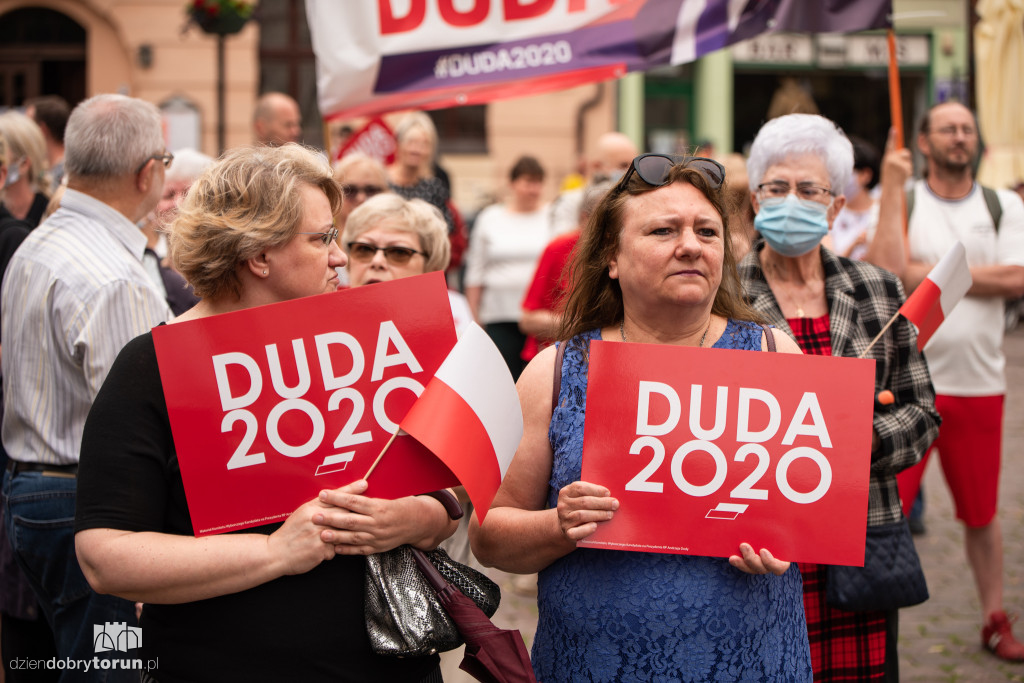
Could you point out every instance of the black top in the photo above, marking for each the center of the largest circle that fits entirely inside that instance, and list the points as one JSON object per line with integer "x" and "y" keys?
{"x": 431, "y": 190}
{"x": 308, "y": 627}
{"x": 12, "y": 233}
{"x": 35, "y": 212}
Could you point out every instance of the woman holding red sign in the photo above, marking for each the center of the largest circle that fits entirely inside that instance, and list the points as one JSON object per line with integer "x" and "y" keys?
{"x": 654, "y": 265}
{"x": 278, "y": 602}
{"x": 798, "y": 166}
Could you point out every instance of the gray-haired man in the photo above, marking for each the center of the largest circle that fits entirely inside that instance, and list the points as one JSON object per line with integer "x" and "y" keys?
{"x": 74, "y": 293}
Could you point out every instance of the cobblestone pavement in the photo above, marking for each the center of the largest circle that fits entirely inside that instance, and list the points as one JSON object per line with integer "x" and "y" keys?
{"x": 940, "y": 639}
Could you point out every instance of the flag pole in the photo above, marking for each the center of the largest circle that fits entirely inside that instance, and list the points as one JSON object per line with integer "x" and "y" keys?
{"x": 896, "y": 116}
{"x": 877, "y": 336}
{"x": 382, "y": 452}
{"x": 895, "y": 98}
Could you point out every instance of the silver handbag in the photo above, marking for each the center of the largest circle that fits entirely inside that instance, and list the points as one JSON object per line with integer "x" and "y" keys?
{"x": 404, "y": 616}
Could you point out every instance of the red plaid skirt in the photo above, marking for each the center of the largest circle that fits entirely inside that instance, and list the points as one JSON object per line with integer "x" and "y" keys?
{"x": 845, "y": 646}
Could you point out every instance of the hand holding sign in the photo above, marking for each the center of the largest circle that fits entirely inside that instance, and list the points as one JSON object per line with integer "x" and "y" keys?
{"x": 727, "y": 449}
{"x": 581, "y": 506}
{"x": 269, "y": 405}
{"x": 761, "y": 562}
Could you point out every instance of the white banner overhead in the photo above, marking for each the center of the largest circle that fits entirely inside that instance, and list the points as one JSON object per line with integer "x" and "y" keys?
{"x": 374, "y": 57}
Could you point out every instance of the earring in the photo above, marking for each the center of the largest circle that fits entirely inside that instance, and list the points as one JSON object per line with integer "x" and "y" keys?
{"x": 264, "y": 271}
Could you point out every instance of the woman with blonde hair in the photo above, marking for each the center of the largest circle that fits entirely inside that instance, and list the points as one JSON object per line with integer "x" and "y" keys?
{"x": 411, "y": 175}
{"x": 388, "y": 238}
{"x": 273, "y": 603}
{"x": 26, "y": 633}
{"x": 12, "y": 230}
{"x": 27, "y": 188}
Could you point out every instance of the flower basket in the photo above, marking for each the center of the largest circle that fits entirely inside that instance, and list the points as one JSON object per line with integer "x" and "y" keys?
{"x": 219, "y": 17}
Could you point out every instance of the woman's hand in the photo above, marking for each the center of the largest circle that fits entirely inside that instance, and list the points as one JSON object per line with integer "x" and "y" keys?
{"x": 298, "y": 544}
{"x": 581, "y": 506}
{"x": 359, "y": 525}
{"x": 754, "y": 563}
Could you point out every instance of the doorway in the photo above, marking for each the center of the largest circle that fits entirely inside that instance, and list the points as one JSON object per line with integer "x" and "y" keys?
{"x": 42, "y": 52}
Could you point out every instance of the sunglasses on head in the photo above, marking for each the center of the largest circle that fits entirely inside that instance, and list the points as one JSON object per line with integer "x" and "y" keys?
{"x": 361, "y": 251}
{"x": 350, "y": 191}
{"x": 654, "y": 169}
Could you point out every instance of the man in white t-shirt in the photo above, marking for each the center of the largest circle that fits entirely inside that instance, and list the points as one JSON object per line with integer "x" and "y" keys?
{"x": 965, "y": 355}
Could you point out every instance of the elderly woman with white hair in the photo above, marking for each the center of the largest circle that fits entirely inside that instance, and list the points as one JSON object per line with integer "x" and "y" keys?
{"x": 388, "y": 238}
{"x": 27, "y": 188}
{"x": 798, "y": 167}
{"x": 188, "y": 165}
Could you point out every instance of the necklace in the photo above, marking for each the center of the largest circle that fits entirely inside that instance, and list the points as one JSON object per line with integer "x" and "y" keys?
{"x": 622, "y": 331}
{"x": 798, "y": 304}
{"x": 787, "y": 292}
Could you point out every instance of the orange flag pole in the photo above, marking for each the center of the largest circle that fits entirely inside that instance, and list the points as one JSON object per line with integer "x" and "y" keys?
{"x": 896, "y": 114}
{"x": 895, "y": 99}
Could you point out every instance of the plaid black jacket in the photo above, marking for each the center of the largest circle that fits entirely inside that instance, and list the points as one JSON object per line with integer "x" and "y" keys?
{"x": 861, "y": 300}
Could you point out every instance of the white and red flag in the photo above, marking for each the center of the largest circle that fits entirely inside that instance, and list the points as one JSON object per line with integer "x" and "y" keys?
{"x": 469, "y": 416}
{"x": 938, "y": 293}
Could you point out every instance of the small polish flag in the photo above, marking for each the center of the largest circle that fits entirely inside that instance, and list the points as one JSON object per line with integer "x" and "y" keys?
{"x": 469, "y": 416}
{"x": 938, "y": 293}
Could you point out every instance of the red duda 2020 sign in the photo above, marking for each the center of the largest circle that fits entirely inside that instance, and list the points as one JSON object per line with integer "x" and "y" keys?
{"x": 709, "y": 448}
{"x": 270, "y": 405}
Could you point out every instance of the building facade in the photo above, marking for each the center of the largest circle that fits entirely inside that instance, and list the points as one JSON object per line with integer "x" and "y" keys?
{"x": 146, "y": 48}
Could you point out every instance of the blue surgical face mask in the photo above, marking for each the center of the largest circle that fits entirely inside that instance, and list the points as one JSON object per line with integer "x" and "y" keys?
{"x": 792, "y": 226}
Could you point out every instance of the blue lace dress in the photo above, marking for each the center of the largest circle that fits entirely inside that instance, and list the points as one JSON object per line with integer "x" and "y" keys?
{"x": 608, "y": 615}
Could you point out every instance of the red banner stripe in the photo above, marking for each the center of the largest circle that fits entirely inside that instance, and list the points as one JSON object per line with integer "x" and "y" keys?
{"x": 460, "y": 96}
{"x": 459, "y": 440}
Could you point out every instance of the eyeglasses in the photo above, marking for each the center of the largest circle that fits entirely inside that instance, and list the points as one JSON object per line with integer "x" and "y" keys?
{"x": 950, "y": 131}
{"x": 778, "y": 190}
{"x": 654, "y": 169}
{"x": 325, "y": 237}
{"x": 166, "y": 157}
{"x": 361, "y": 251}
{"x": 350, "y": 191}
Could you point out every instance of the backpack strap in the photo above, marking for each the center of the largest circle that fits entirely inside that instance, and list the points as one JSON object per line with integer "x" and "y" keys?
{"x": 556, "y": 385}
{"x": 995, "y": 208}
{"x": 769, "y": 337}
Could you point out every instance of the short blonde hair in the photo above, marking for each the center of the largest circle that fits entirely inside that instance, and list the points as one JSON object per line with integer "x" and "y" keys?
{"x": 408, "y": 215}
{"x": 25, "y": 141}
{"x": 417, "y": 120}
{"x": 245, "y": 203}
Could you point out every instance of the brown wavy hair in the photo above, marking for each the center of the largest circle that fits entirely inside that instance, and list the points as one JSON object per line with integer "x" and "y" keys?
{"x": 594, "y": 299}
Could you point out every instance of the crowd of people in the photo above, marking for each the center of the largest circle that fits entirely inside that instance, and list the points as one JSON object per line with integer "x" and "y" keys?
{"x": 800, "y": 247}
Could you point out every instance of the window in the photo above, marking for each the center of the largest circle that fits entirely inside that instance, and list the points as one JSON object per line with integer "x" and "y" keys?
{"x": 286, "y": 61}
